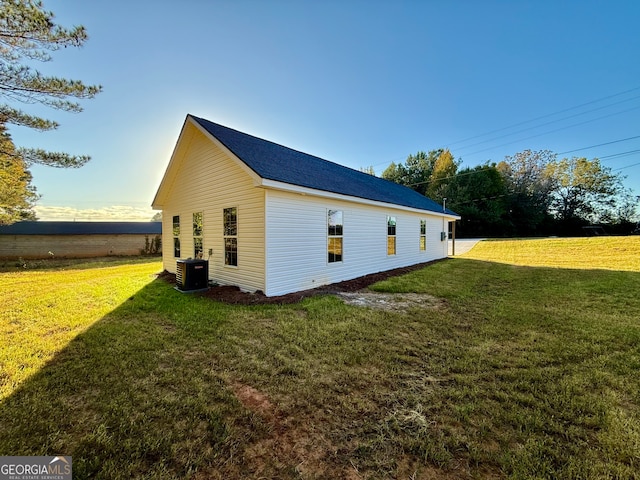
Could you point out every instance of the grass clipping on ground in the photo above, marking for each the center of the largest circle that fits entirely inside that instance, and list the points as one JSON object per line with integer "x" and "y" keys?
{"x": 513, "y": 369}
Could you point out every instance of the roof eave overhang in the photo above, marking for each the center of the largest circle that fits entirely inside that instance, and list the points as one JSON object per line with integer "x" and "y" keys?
{"x": 306, "y": 191}
{"x": 258, "y": 181}
{"x": 176, "y": 158}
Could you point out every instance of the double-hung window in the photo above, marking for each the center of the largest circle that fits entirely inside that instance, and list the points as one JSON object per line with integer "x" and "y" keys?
{"x": 391, "y": 235}
{"x": 334, "y": 235}
{"x": 423, "y": 235}
{"x": 176, "y": 236}
{"x": 230, "y": 233}
{"x": 198, "y": 248}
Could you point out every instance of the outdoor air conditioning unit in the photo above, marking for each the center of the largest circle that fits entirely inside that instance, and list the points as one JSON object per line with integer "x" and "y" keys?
{"x": 192, "y": 275}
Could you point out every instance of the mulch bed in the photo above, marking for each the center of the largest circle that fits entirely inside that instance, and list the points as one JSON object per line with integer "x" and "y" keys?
{"x": 233, "y": 295}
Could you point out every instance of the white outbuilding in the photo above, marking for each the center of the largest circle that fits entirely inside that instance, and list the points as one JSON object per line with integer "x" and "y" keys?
{"x": 274, "y": 219}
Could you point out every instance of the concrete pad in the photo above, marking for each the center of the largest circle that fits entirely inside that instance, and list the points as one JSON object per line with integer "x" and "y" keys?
{"x": 463, "y": 245}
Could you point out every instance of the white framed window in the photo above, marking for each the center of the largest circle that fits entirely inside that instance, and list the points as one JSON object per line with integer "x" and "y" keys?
{"x": 334, "y": 235}
{"x": 176, "y": 236}
{"x": 230, "y": 235}
{"x": 198, "y": 246}
{"x": 423, "y": 235}
{"x": 391, "y": 235}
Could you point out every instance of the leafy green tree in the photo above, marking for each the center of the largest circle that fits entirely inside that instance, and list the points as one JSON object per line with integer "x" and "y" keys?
{"x": 17, "y": 195}
{"x": 582, "y": 189}
{"x": 394, "y": 173}
{"x": 622, "y": 215}
{"x": 415, "y": 172}
{"x": 529, "y": 188}
{"x": 28, "y": 33}
{"x": 479, "y": 195}
{"x": 443, "y": 171}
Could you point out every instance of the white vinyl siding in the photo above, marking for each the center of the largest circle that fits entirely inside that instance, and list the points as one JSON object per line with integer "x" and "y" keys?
{"x": 296, "y": 241}
{"x": 208, "y": 180}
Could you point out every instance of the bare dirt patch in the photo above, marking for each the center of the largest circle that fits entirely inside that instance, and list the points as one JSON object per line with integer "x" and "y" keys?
{"x": 291, "y": 442}
{"x": 391, "y": 301}
{"x": 253, "y": 400}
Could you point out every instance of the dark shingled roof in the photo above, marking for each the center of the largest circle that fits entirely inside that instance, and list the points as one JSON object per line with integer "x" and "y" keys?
{"x": 82, "y": 228}
{"x": 276, "y": 162}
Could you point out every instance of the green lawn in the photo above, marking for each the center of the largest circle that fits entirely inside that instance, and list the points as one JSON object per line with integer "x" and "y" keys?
{"x": 529, "y": 367}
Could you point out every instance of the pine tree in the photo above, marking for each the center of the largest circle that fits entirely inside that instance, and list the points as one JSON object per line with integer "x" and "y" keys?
{"x": 17, "y": 195}
{"x": 27, "y": 34}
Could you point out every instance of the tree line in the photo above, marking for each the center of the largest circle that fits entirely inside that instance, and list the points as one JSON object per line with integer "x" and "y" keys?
{"x": 531, "y": 193}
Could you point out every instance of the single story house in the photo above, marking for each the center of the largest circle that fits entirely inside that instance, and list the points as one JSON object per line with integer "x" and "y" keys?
{"x": 274, "y": 219}
{"x": 76, "y": 239}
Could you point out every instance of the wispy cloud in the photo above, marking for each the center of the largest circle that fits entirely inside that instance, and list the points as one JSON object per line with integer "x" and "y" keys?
{"x": 115, "y": 213}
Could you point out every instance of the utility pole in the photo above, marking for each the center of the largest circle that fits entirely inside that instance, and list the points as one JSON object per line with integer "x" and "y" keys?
{"x": 446, "y": 230}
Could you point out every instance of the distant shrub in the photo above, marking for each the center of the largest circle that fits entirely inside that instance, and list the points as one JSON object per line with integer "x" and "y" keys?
{"x": 152, "y": 246}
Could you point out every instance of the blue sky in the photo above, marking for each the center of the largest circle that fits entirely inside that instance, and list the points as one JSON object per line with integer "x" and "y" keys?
{"x": 360, "y": 83}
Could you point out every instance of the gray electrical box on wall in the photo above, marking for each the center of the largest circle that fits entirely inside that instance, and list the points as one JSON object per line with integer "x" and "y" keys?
{"x": 443, "y": 236}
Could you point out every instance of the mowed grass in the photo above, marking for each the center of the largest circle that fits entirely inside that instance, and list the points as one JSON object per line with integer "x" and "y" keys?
{"x": 527, "y": 368}
{"x": 611, "y": 253}
{"x": 43, "y": 310}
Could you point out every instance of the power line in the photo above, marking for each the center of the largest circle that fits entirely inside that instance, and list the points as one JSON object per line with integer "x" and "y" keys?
{"x": 622, "y": 154}
{"x": 549, "y": 123}
{"x": 484, "y": 169}
{"x": 484, "y": 198}
{"x": 628, "y": 166}
{"x": 599, "y": 145}
{"x": 547, "y": 115}
{"x": 556, "y": 130}
{"x": 551, "y": 131}
{"x": 471, "y": 172}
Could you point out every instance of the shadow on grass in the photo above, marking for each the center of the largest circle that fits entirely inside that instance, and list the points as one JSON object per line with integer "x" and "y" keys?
{"x": 132, "y": 396}
{"x": 21, "y": 265}
{"x": 529, "y": 372}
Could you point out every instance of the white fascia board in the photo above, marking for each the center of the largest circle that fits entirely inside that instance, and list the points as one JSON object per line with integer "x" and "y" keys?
{"x": 288, "y": 187}
{"x": 257, "y": 179}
